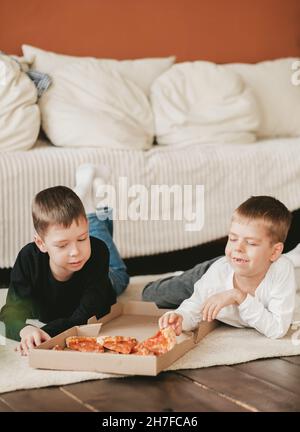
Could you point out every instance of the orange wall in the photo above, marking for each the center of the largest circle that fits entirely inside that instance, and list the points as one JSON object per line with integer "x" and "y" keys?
{"x": 216, "y": 30}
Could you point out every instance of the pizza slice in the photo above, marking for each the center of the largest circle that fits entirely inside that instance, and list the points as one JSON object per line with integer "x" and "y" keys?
{"x": 140, "y": 349}
{"x": 162, "y": 342}
{"x": 84, "y": 344}
{"x": 119, "y": 344}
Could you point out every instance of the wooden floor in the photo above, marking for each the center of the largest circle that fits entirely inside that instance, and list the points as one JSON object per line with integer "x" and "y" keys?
{"x": 263, "y": 385}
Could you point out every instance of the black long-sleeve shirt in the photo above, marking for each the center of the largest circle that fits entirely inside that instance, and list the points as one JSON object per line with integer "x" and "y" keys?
{"x": 34, "y": 293}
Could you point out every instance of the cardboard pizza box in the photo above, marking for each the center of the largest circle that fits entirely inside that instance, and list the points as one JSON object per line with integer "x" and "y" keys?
{"x": 136, "y": 319}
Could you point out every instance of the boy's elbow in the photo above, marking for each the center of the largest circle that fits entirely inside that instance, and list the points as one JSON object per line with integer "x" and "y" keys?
{"x": 277, "y": 333}
{"x": 10, "y": 333}
{"x": 11, "y": 329}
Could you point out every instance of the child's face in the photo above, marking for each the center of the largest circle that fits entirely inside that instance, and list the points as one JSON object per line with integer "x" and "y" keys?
{"x": 68, "y": 248}
{"x": 249, "y": 249}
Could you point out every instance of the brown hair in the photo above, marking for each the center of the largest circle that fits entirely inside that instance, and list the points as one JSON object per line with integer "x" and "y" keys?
{"x": 57, "y": 205}
{"x": 277, "y": 217}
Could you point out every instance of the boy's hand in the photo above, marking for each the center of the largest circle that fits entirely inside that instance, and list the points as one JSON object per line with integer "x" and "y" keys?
{"x": 30, "y": 337}
{"x": 212, "y": 306}
{"x": 173, "y": 320}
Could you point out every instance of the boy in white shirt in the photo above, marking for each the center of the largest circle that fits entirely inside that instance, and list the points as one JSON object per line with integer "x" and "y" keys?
{"x": 253, "y": 285}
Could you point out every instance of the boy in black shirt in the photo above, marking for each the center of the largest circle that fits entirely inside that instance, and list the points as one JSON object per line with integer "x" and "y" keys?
{"x": 64, "y": 277}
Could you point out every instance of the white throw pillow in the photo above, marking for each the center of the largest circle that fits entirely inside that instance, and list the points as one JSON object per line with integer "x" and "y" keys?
{"x": 278, "y": 99}
{"x": 89, "y": 107}
{"x": 19, "y": 113}
{"x": 141, "y": 71}
{"x": 201, "y": 102}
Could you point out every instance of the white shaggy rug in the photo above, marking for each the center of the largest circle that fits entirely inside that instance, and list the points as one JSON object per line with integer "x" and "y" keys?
{"x": 224, "y": 346}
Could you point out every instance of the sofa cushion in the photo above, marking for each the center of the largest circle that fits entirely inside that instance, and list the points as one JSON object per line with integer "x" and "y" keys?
{"x": 200, "y": 102}
{"x": 89, "y": 107}
{"x": 19, "y": 113}
{"x": 277, "y": 96}
{"x": 141, "y": 71}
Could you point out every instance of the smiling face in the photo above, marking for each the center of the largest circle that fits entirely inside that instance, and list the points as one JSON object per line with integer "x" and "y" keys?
{"x": 249, "y": 248}
{"x": 68, "y": 248}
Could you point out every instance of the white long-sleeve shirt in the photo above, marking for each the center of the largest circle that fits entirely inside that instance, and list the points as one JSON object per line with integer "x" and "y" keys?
{"x": 270, "y": 310}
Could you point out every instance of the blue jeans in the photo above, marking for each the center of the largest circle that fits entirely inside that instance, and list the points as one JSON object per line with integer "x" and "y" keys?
{"x": 101, "y": 227}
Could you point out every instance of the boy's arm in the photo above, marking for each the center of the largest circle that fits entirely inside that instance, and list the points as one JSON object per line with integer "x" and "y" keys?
{"x": 190, "y": 309}
{"x": 96, "y": 299}
{"x": 273, "y": 319}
